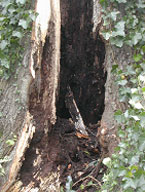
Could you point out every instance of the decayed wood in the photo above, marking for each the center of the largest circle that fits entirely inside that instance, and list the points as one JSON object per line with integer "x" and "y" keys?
{"x": 22, "y": 145}
{"x": 46, "y": 25}
{"x": 48, "y": 12}
{"x": 74, "y": 111}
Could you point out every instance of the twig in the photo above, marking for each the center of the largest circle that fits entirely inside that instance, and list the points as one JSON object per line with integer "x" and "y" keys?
{"x": 84, "y": 178}
{"x": 96, "y": 171}
{"x": 99, "y": 183}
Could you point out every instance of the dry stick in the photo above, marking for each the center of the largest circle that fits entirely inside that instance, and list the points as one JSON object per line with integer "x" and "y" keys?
{"x": 88, "y": 176}
{"x": 74, "y": 111}
{"x": 96, "y": 171}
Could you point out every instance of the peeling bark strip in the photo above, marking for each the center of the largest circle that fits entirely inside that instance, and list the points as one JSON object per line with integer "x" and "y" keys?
{"x": 75, "y": 114}
{"x": 47, "y": 26}
{"x": 22, "y": 145}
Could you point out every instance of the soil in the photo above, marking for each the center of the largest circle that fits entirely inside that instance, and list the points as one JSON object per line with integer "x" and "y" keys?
{"x": 82, "y": 58}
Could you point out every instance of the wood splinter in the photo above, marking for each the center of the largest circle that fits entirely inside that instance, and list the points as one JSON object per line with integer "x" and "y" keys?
{"x": 74, "y": 112}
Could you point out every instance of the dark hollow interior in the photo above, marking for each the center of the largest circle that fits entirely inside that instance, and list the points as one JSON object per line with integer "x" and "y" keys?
{"x": 82, "y": 58}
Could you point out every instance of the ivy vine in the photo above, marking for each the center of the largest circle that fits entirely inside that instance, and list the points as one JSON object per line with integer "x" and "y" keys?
{"x": 124, "y": 25}
{"x": 15, "y": 22}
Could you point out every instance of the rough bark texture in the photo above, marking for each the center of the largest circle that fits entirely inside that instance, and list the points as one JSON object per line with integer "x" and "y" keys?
{"x": 108, "y": 124}
{"x": 14, "y": 111}
{"x": 85, "y": 63}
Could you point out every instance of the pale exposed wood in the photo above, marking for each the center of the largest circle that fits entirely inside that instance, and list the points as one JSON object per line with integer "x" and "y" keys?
{"x": 22, "y": 145}
{"x": 75, "y": 114}
{"x": 42, "y": 29}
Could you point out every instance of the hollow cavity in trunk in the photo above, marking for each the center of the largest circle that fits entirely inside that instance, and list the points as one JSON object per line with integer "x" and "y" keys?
{"x": 82, "y": 58}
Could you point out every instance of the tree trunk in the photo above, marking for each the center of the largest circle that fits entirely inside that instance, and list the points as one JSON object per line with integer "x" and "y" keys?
{"x": 85, "y": 65}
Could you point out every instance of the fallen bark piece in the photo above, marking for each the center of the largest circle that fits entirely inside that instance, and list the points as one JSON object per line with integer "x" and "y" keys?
{"x": 74, "y": 112}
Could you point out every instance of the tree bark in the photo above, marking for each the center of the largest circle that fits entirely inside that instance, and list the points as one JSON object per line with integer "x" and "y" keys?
{"x": 32, "y": 113}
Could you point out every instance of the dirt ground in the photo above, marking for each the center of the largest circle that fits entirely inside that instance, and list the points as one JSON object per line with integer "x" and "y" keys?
{"x": 74, "y": 155}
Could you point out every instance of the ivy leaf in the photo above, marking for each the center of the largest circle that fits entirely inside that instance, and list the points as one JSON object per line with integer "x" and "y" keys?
{"x": 17, "y": 34}
{"x": 120, "y": 27}
{"x": 130, "y": 183}
{"x": 142, "y": 145}
{"x": 143, "y": 89}
{"x": 107, "y": 162}
{"x": 11, "y": 10}
{"x": 21, "y": 1}
{"x": 137, "y": 57}
{"x": 90, "y": 183}
{"x": 119, "y": 117}
{"x": 142, "y": 119}
{"x": 117, "y": 41}
{"x": 121, "y": 1}
{"x": 5, "y": 4}
{"x": 114, "y": 14}
{"x": 140, "y": 4}
{"x": 141, "y": 182}
{"x": 106, "y": 35}
{"x": 122, "y": 82}
{"x": 135, "y": 118}
{"x": 135, "y": 104}
{"x": 143, "y": 48}
{"x": 5, "y": 63}
{"x": 3, "y": 44}
{"x": 142, "y": 78}
{"x": 130, "y": 70}
{"x": 136, "y": 38}
{"x": 10, "y": 142}
{"x": 134, "y": 160}
{"x": 23, "y": 23}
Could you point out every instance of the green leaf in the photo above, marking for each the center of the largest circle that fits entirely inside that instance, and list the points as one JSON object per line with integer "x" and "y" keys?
{"x": 114, "y": 14}
{"x": 135, "y": 104}
{"x": 3, "y": 44}
{"x": 141, "y": 182}
{"x": 142, "y": 146}
{"x": 10, "y": 142}
{"x": 122, "y": 82}
{"x": 120, "y": 27}
{"x": 134, "y": 160}
{"x": 136, "y": 38}
{"x": 143, "y": 48}
{"x": 137, "y": 57}
{"x": 106, "y": 35}
{"x": 5, "y": 63}
{"x": 21, "y": 1}
{"x": 17, "y": 34}
{"x": 117, "y": 41}
{"x": 82, "y": 187}
{"x": 121, "y": 1}
{"x": 89, "y": 183}
{"x": 142, "y": 119}
{"x": 130, "y": 183}
{"x": 23, "y": 23}
{"x": 114, "y": 68}
{"x": 135, "y": 117}
{"x": 143, "y": 89}
{"x": 107, "y": 162}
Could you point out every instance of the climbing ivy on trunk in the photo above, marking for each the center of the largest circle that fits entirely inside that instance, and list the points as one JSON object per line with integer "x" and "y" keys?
{"x": 15, "y": 22}
{"x": 124, "y": 26}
